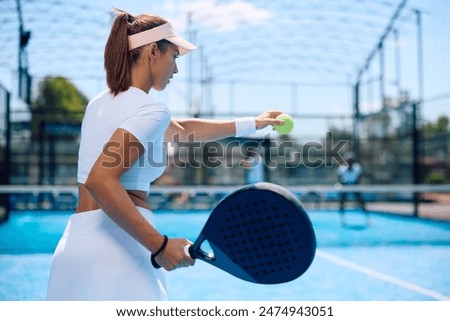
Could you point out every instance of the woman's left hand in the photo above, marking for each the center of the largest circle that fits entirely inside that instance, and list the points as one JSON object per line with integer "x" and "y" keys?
{"x": 268, "y": 118}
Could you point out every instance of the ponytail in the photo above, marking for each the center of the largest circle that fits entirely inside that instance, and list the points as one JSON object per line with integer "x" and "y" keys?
{"x": 118, "y": 59}
{"x": 117, "y": 67}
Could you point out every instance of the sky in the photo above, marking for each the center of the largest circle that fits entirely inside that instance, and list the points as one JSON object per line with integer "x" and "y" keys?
{"x": 301, "y": 56}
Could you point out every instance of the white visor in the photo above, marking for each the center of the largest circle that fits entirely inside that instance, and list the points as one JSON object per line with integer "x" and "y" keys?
{"x": 164, "y": 31}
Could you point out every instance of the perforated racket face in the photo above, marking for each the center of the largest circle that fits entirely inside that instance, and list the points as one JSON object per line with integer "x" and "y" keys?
{"x": 261, "y": 234}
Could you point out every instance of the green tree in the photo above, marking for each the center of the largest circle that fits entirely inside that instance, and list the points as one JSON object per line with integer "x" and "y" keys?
{"x": 440, "y": 126}
{"x": 58, "y": 102}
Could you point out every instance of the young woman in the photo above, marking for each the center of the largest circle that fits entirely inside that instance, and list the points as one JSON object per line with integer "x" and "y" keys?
{"x": 105, "y": 251}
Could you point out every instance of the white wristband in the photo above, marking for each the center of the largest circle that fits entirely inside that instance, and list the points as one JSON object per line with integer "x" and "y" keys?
{"x": 245, "y": 126}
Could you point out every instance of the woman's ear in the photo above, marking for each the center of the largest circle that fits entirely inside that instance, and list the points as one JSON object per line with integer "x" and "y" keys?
{"x": 152, "y": 50}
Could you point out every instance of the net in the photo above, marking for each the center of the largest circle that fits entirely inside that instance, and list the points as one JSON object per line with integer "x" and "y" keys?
{"x": 183, "y": 210}
{"x": 424, "y": 200}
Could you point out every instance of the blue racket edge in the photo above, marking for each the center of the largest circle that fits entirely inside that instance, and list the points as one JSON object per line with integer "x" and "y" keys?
{"x": 259, "y": 233}
{"x": 249, "y": 253}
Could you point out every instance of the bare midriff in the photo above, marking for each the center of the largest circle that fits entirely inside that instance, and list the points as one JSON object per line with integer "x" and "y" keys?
{"x": 87, "y": 203}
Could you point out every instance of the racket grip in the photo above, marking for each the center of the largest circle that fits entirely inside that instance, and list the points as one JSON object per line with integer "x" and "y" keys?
{"x": 154, "y": 263}
{"x": 188, "y": 250}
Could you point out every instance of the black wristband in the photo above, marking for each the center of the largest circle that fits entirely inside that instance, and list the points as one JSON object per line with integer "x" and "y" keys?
{"x": 163, "y": 246}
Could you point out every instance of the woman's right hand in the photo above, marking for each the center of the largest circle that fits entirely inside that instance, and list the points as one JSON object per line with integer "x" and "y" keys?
{"x": 174, "y": 256}
{"x": 268, "y": 118}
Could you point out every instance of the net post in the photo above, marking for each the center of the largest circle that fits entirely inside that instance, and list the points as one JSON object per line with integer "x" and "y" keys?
{"x": 6, "y": 166}
{"x": 356, "y": 119}
{"x": 416, "y": 154}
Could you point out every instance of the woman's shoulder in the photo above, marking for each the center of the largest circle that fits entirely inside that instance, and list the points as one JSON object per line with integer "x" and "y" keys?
{"x": 129, "y": 102}
{"x": 139, "y": 95}
{"x": 99, "y": 96}
{"x": 138, "y": 98}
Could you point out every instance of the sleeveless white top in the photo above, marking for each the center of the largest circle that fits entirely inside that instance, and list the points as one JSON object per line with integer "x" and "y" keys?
{"x": 136, "y": 112}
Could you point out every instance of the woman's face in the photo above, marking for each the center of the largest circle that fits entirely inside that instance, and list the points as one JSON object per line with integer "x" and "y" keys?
{"x": 164, "y": 67}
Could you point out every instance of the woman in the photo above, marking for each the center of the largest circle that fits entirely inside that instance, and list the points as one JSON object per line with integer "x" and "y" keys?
{"x": 105, "y": 251}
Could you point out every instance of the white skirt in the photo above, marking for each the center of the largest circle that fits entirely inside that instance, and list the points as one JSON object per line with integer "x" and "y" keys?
{"x": 97, "y": 260}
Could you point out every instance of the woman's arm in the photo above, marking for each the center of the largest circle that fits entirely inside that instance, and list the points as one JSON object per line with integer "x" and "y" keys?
{"x": 197, "y": 129}
{"x": 103, "y": 183}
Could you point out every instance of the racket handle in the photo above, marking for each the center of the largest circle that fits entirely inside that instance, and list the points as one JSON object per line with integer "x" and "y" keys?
{"x": 154, "y": 263}
{"x": 188, "y": 250}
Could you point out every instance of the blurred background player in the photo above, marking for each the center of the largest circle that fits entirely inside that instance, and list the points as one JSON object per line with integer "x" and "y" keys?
{"x": 254, "y": 168}
{"x": 350, "y": 173}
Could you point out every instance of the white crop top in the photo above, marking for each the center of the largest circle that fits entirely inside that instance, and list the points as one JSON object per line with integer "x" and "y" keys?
{"x": 138, "y": 113}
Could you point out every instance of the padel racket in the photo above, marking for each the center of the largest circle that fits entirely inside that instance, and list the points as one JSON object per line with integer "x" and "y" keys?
{"x": 259, "y": 233}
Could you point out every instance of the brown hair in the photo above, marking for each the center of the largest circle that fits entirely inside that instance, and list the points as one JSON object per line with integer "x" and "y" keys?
{"x": 118, "y": 59}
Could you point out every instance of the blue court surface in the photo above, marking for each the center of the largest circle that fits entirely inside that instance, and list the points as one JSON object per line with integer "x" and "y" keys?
{"x": 396, "y": 258}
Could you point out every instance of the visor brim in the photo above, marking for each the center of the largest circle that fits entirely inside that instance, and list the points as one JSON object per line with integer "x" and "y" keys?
{"x": 184, "y": 46}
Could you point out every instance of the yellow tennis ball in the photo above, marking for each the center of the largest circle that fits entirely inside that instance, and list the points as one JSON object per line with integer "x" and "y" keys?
{"x": 288, "y": 125}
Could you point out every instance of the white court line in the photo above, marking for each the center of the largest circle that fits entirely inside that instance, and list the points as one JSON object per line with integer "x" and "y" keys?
{"x": 382, "y": 276}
